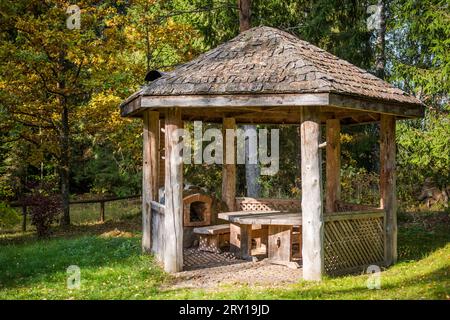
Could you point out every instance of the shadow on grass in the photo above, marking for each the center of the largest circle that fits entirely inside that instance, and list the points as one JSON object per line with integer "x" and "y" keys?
{"x": 25, "y": 259}
{"x": 20, "y": 265}
{"x": 131, "y": 224}
{"x": 420, "y": 234}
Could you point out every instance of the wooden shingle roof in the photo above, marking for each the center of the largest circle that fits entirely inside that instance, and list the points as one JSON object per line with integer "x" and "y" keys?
{"x": 265, "y": 60}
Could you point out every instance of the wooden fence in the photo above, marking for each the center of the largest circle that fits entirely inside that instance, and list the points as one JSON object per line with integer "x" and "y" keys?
{"x": 102, "y": 202}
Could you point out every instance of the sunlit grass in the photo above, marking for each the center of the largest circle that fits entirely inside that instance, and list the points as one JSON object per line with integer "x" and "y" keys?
{"x": 113, "y": 268}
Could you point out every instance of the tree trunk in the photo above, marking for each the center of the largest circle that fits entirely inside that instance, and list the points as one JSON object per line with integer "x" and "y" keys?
{"x": 244, "y": 14}
{"x": 252, "y": 171}
{"x": 380, "y": 49}
{"x": 65, "y": 164}
{"x": 228, "y": 168}
{"x": 333, "y": 165}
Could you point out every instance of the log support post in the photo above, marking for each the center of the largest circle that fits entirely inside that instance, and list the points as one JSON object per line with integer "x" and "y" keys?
{"x": 149, "y": 175}
{"x": 173, "y": 217}
{"x": 388, "y": 200}
{"x": 333, "y": 166}
{"x": 229, "y": 164}
{"x": 162, "y": 155}
{"x": 312, "y": 212}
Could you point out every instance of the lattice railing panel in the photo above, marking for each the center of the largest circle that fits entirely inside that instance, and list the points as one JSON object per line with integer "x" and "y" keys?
{"x": 252, "y": 204}
{"x": 353, "y": 242}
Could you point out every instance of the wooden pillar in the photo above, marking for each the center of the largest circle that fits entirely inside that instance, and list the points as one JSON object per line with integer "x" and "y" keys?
{"x": 149, "y": 174}
{"x": 312, "y": 215}
{"x": 229, "y": 169}
{"x": 333, "y": 183}
{"x": 173, "y": 217}
{"x": 162, "y": 140}
{"x": 388, "y": 200}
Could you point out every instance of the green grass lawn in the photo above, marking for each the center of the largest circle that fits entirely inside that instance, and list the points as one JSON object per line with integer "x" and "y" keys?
{"x": 113, "y": 268}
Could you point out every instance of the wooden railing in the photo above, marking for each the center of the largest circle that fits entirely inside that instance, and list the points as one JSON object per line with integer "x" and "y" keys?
{"x": 102, "y": 202}
{"x": 354, "y": 240}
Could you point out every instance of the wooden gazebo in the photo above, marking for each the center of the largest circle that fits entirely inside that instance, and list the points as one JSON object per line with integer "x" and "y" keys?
{"x": 268, "y": 76}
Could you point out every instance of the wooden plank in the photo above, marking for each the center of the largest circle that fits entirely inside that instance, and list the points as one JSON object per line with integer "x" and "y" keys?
{"x": 173, "y": 217}
{"x": 279, "y": 248}
{"x": 149, "y": 174}
{"x": 233, "y": 215}
{"x": 158, "y": 239}
{"x": 235, "y": 239}
{"x": 217, "y": 229}
{"x": 333, "y": 165}
{"x": 293, "y": 219}
{"x": 246, "y": 241}
{"x": 313, "y": 224}
{"x": 228, "y": 169}
{"x": 355, "y": 215}
{"x": 388, "y": 185}
{"x": 240, "y": 240}
{"x": 275, "y": 217}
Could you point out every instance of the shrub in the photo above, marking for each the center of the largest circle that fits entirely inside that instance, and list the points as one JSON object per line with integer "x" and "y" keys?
{"x": 8, "y": 216}
{"x": 44, "y": 209}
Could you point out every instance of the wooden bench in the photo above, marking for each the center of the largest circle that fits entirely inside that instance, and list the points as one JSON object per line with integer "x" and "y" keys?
{"x": 212, "y": 238}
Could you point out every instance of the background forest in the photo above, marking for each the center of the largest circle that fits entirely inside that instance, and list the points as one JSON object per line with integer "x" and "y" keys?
{"x": 60, "y": 89}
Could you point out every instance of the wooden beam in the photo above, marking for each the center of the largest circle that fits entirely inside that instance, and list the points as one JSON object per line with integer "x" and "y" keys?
{"x": 333, "y": 165}
{"x": 388, "y": 200}
{"x": 406, "y": 110}
{"x": 235, "y": 100}
{"x": 150, "y": 164}
{"x": 312, "y": 212}
{"x": 135, "y": 106}
{"x": 229, "y": 170}
{"x": 173, "y": 218}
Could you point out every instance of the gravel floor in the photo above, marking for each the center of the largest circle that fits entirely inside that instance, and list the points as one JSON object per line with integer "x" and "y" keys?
{"x": 224, "y": 269}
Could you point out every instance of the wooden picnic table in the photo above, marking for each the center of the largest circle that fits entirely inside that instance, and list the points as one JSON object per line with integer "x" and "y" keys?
{"x": 279, "y": 232}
